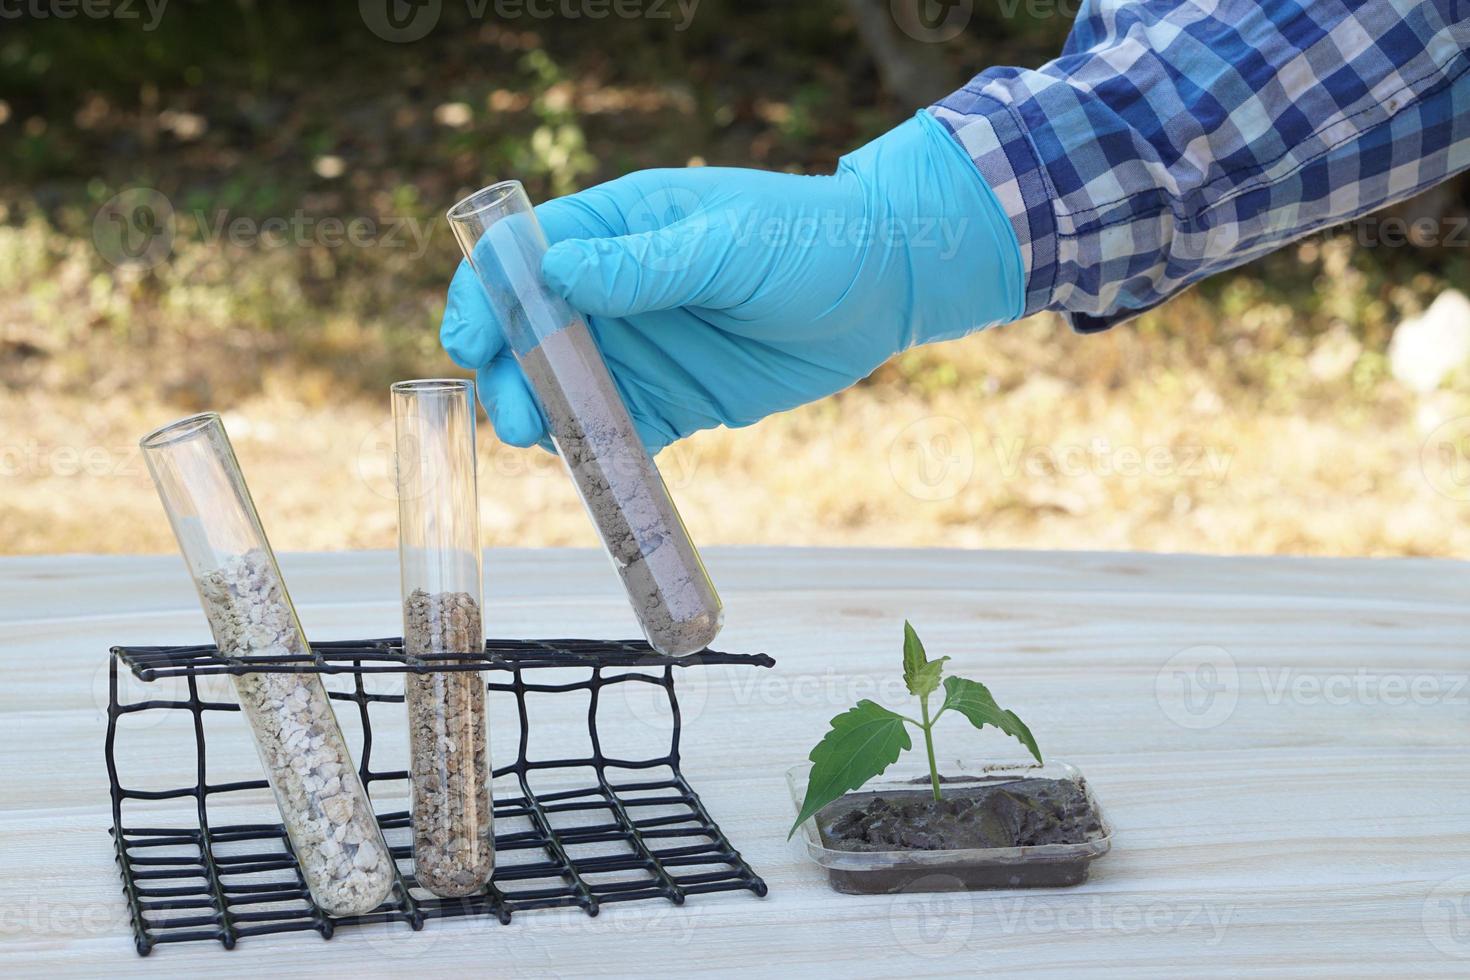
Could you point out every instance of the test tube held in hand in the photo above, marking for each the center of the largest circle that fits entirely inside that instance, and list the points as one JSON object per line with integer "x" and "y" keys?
{"x": 671, "y": 593}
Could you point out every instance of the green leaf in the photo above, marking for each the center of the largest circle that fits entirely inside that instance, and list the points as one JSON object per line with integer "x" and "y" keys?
{"x": 973, "y": 700}
{"x": 864, "y": 740}
{"x": 920, "y": 674}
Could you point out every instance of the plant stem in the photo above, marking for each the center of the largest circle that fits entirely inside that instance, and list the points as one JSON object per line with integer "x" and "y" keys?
{"x": 928, "y": 727}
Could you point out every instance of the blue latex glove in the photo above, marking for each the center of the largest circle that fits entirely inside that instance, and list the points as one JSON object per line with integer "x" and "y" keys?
{"x": 720, "y": 296}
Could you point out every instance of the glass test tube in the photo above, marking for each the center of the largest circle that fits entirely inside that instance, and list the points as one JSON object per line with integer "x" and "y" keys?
{"x": 439, "y": 554}
{"x": 671, "y": 593}
{"x": 325, "y": 810}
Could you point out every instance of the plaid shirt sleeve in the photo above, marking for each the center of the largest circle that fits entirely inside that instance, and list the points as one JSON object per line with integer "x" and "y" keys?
{"x": 1173, "y": 140}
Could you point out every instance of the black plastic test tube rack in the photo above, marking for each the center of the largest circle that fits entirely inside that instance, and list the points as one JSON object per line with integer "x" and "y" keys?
{"x": 206, "y": 879}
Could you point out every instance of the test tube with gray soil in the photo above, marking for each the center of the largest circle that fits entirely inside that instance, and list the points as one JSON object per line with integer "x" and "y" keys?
{"x": 671, "y": 593}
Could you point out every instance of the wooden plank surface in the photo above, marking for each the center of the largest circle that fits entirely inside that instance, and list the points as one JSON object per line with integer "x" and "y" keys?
{"x": 1310, "y": 819}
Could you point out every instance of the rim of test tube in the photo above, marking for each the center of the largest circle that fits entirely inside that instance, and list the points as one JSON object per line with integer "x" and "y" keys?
{"x": 484, "y": 199}
{"x": 432, "y": 384}
{"x": 178, "y": 430}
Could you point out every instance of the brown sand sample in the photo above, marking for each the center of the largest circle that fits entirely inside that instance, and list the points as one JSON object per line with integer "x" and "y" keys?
{"x": 324, "y": 808}
{"x": 453, "y": 835}
{"x": 624, "y": 493}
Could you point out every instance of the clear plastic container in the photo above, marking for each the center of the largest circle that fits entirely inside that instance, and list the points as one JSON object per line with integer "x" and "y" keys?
{"x": 878, "y": 872}
{"x": 439, "y": 553}
{"x": 324, "y": 808}
{"x": 666, "y": 582}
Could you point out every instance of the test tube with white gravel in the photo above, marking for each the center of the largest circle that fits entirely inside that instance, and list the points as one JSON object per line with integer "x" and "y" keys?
{"x": 324, "y": 808}
{"x": 671, "y": 593}
{"x": 439, "y": 557}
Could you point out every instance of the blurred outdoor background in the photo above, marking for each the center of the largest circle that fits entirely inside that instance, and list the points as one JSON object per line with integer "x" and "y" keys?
{"x": 238, "y": 206}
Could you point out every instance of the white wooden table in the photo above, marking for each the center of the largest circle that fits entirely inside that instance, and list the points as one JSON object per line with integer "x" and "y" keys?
{"x": 1282, "y": 746}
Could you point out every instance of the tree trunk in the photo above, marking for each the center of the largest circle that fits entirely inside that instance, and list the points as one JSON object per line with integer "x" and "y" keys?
{"x": 912, "y": 71}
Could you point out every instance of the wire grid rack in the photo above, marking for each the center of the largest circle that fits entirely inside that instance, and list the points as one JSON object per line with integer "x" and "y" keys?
{"x": 211, "y": 880}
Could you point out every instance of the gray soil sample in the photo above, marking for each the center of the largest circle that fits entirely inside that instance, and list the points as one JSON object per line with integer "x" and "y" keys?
{"x": 666, "y": 582}
{"x": 449, "y": 769}
{"x": 1021, "y": 813}
{"x": 323, "y": 805}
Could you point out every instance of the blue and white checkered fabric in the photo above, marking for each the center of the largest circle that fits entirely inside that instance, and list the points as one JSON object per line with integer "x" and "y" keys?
{"x": 1173, "y": 140}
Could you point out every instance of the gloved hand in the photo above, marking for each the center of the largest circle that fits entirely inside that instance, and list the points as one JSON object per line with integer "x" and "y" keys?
{"x": 720, "y": 296}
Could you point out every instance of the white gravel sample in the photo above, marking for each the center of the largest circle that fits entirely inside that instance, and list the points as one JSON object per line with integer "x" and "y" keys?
{"x": 671, "y": 594}
{"x": 453, "y": 829}
{"x": 323, "y": 805}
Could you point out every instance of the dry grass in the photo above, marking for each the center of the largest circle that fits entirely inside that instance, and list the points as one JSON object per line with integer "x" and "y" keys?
{"x": 1235, "y": 419}
{"x": 1253, "y": 415}
{"x": 997, "y": 453}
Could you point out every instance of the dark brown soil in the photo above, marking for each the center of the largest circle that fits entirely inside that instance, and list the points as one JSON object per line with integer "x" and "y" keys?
{"x": 1014, "y": 814}
{"x": 1019, "y": 813}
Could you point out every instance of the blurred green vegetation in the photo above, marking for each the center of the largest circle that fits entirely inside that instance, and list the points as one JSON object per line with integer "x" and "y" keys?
{"x": 290, "y": 117}
{"x": 262, "y": 110}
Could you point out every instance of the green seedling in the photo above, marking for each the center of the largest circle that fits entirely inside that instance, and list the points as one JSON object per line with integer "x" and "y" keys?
{"x": 867, "y": 738}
